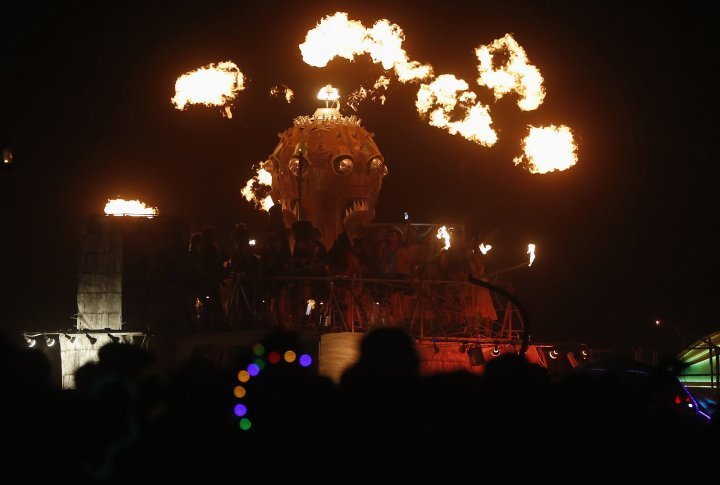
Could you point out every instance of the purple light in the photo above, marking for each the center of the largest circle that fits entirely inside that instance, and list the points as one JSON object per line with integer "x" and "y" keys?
{"x": 240, "y": 410}
{"x": 305, "y": 360}
{"x": 253, "y": 370}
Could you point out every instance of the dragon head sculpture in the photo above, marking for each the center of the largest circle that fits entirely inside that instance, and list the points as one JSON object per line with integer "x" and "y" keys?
{"x": 326, "y": 169}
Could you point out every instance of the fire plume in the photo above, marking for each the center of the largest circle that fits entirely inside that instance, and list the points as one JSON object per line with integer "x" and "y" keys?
{"x": 283, "y": 91}
{"x": 133, "y": 208}
{"x": 253, "y": 191}
{"x": 531, "y": 252}
{"x": 211, "y": 85}
{"x": 547, "y": 149}
{"x": 448, "y": 96}
{"x": 516, "y": 75}
{"x": 337, "y": 36}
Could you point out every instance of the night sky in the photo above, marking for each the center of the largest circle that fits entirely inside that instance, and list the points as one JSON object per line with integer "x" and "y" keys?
{"x": 624, "y": 237}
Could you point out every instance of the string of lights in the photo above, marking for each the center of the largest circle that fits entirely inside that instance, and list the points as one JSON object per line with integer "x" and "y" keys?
{"x": 254, "y": 369}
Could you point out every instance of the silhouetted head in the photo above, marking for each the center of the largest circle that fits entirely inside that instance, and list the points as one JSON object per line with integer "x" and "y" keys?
{"x": 389, "y": 352}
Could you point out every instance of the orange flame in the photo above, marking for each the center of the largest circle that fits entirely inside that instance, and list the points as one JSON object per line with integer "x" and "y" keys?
{"x": 516, "y": 75}
{"x": 547, "y": 149}
{"x": 447, "y": 95}
{"x": 211, "y": 85}
{"x": 283, "y": 91}
{"x": 485, "y": 248}
{"x": 260, "y": 182}
{"x": 375, "y": 94}
{"x": 337, "y": 36}
{"x": 531, "y": 252}
{"x": 133, "y": 208}
{"x": 444, "y": 234}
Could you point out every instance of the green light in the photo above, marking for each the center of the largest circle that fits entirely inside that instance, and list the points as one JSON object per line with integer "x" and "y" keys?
{"x": 260, "y": 363}
{"x": 245, "y": 424}
{"x": 258, "y": 349}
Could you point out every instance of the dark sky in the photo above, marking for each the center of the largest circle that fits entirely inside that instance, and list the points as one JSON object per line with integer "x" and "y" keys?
{"x": 623, "y": 238}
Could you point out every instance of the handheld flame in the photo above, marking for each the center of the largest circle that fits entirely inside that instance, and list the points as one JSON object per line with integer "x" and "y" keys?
{"x": 132, "y": 208}
{"x": 444, "y": 234}
{"x": 485, "y": 248}
{"x": 531, "y": 252}
{"x": 211, "y": 85}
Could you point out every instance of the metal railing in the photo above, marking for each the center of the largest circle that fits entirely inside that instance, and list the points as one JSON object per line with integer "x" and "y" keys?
{"x": 424, "y": 308}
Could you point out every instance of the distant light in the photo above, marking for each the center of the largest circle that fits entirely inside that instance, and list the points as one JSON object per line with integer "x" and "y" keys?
{"x": 310, "y": 307}
{"x": 554, "y": 354}
{"x": 245, "y": 424}
{"x": 7, "y": 156}
{"x": 258, "y": 349}
{"x": 406, "y": 216}
{"x": 496, "y": 351}
{"x": 49, "y": 341}
{"x": 690, "y": 404}
{"x": 305, "y": 360}
{"x": 240, "y": 410}
{"x": 273, "y": 357}
{"x": 253, "y": 369}
{"x": 71, "y": 338}
{"x": 260, "y": 363}
{"x": 289, "y": 356}
{"x": 30, "y": 342}
{"x": 243, "y": 376}
{"x": 252, "y": 242}
{"x": 239, "y": 392}
{"x": 658, "y": 322}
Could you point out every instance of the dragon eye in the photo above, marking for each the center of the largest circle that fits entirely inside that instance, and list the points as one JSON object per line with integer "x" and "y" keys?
{"x": 294, "y": 166}
{"x": 343, "y": 165}
{"x": 377, "y": 165}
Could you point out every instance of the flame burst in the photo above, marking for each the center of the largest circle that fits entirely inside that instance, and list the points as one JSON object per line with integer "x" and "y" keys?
{"x": 447, "y": 96}
{"x": 531, "y": 252}
{"x": 485, "y": 248}
{"x": 133, "y": 208}
{"x": 547, "y": 149}
{"x": 283, "y": 91}
{"x": 377, "y": 93}
{"x": 253, "y": 191}
{"x": 211, "y": 85}
{"x": 337, "y": 36}
{"x": 516, "y": 75}
{"x": 444, "y": 234}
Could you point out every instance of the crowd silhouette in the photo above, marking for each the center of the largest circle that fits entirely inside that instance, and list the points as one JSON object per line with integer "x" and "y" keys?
{"x": 127, "y": 420}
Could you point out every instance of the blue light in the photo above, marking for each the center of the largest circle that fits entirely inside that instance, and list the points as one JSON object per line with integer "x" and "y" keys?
{"x": 240, "y": 410}
{"x": 305, "y": 360}
{"x": 253, "y": 369}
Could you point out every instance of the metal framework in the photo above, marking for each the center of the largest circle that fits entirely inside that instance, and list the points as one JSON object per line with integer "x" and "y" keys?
{"x": 425, "y": 308}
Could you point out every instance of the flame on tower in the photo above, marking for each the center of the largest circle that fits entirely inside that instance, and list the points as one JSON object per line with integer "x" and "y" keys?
{"x": 132, "y": 208}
